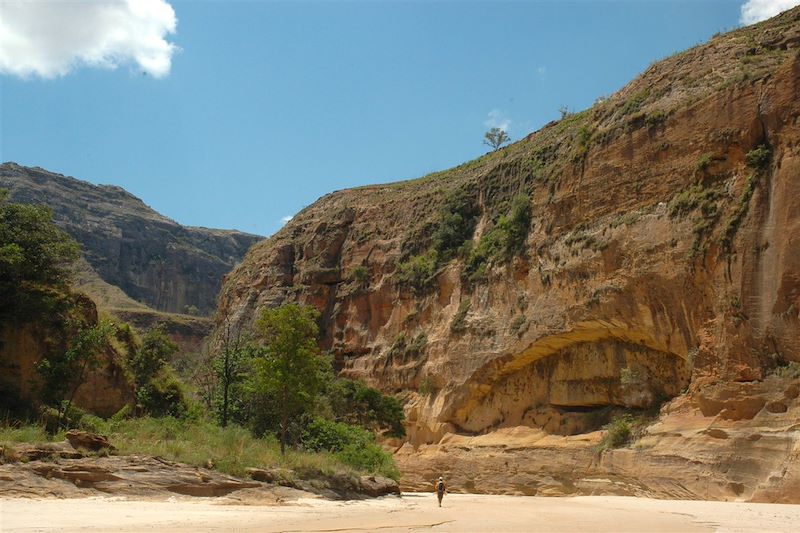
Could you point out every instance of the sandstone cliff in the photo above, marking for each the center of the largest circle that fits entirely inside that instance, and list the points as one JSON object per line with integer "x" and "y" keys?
{"x": 152, "y": 259}
{"x": 105, "y": 388}
{"x": 661, "y": 263}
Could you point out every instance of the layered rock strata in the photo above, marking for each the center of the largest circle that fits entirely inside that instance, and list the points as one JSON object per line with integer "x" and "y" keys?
{"x": 151, "y": 258}
{"x": 662, "y": 262}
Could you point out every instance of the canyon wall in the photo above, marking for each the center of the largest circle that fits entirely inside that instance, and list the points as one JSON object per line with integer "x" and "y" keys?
{"x": 152, "y": 259}
{"x": 660, "y": 273}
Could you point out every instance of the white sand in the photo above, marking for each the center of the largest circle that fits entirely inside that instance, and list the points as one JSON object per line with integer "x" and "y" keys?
{"x": 412, "y": 512}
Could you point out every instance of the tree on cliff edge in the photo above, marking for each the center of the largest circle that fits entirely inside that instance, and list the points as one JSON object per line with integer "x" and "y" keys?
{"x": 290, "y": 371}
{"x": 496, "y": 137}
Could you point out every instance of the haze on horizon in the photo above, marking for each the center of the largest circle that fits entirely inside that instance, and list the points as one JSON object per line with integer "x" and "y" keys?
{"x": 236, "y": 115}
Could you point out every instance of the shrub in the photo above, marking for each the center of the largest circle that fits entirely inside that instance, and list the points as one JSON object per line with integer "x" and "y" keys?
{"x": 459, "y": 322}
{"x": 418, "y": 272}
{"x": 738, "y": 216}
{"x": 704, "y": 162}
{"x": 457, "y": 222}
{"x": 427, "y": 387}
{"x": 655, "y": 119}
{"x": 159, "y": 392}
{"x": 758, "y": 158}
{"x": 502, "y": 242}
{"x": 634, "y": 102}
{"x": 618, "y": 432}
{"x": 695, "y": 196}
{"x": 163, "y": 395}
{"x": 354, "y": 402}
{"x": 360, "y": 275}
{"x": 789, "y": 370}
{"x": 351, "y": 444}
{"x": 326, "y": 435}
{"x": 517, "y": 325}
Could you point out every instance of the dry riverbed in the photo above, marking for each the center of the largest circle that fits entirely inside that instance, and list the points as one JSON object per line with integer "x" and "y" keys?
{"x": 411, "y": 512}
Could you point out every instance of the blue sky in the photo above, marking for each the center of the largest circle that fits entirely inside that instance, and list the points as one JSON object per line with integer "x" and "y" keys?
{"x": 265, "y": 106}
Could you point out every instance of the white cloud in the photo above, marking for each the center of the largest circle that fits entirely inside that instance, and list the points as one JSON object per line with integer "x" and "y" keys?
{"x": 52, "y": 37}
{"x": 757, "y": 10}
{"x": 286, "y": 219}
{"x": 497, "y": 119}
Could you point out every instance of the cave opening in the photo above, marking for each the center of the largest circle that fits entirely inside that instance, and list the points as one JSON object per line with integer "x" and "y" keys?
{"x": 580, "y": 388}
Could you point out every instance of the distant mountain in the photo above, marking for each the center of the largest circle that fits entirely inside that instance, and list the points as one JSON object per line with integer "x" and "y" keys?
{"x": 135, "y": 258}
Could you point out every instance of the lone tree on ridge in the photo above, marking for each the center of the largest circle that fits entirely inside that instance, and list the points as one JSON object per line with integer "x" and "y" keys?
{"x": 496, "y": 137}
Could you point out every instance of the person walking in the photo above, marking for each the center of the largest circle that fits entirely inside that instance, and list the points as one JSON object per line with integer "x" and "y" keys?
{"x": 440, "y": 489}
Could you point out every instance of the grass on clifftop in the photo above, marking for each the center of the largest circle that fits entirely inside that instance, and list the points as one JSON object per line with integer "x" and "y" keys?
{"x": 229, "y": 450}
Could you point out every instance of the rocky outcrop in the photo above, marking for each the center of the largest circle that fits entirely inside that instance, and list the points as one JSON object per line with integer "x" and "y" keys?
{"x": 662, "y": 261}
{"x": 104, "y": 389}
{"x": 130, "y": 475}
{"x": 82, "y": 466}
{"x": 732, "y": 441}
{"x": 338, "y": 486}
{"x": 151, "y": 258}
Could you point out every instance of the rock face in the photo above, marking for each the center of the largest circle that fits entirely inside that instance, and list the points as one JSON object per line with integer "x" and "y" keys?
{"x": 105, "y": 388}
{"x": 662, "y": 261}
{"x": 151, "y": 258}
{"x": 69, "y": 470}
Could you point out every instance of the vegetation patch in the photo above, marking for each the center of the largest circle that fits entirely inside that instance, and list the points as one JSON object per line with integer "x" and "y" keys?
{"x": 505, "y": 240}
{"x": 758, "y": 159}
{"x": 634, "y": 102}
{"x": 459, "y": 322}
{"x": 418, "y": 272}
{"x": 704, "y": 162}
{"x": 427, "y": 387}
{"x": 402, "y": 350}
{"x": 732, "y": 227}
{"x": 655, "y": 119}
{"x": 456, "y": 224}
{"x": 618, "y": 432}
{"x": 790, "y": 370}
{"x": 359, "y": 275}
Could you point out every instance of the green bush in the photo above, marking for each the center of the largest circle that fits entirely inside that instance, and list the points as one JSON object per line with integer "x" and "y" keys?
{"x": 758, "y": 158}
{"x": 635, "y": 102}
{"x": 459, "y": 322}
{"x": 618, "y": 432}
{"x": 655, "y": 119}
{"x": 505, "y": 240}
{"x": 695, "y": 196}
{"x": 159, "y": 392}
{"x": 419, "y": 271}
{"x": 354, "y": 402}
{"x": 352, "y": 445}
{"x": 704, "y": 162}
{"x": 457, "y": 222}
{"x": 328, "y": 436}
{"x": 402, "y": 350}
{"x": 359, "y": 275}
{"x": 163, "y": 395}
{"x": 738, "y": 216}
{"x": 427, "y": 387}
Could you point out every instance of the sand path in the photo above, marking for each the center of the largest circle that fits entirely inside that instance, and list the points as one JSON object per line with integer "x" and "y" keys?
{"x": 412, "y": 512}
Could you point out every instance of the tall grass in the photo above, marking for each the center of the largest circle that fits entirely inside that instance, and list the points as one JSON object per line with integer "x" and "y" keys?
{"x": 229, "y": 450}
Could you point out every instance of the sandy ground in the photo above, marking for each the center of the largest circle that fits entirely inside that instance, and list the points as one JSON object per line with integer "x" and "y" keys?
{"x": 412, "y": 512}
